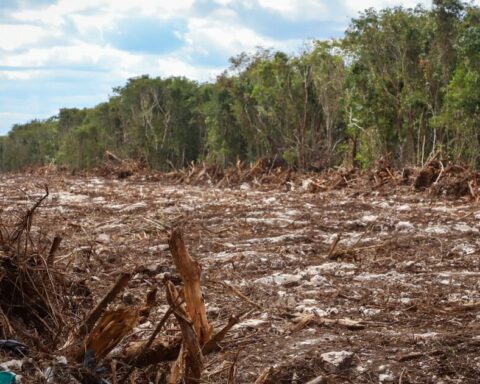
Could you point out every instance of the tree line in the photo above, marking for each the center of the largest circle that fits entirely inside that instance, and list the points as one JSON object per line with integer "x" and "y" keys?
{"x": 401, "y": 84}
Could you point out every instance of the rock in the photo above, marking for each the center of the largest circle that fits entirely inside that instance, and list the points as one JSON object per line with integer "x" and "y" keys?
{"x": 250, "y": 324}
{"x": 386, "y": 377}
{"x": 368, "y": 219}
{"x": 61, "y": 360}
{"x": 103, "y": 238}
{"x": 158, "y": 248}
{"x": 464, "y": 228}
{"x": 285, "y": 279}
{"x": 308, "y": 185}
{"x": 151, "y": 270}
{"x": 59, "y": 372}
{"x": 12, "y": 365}
{"x": 134, "y": 207}
{"x": 370, "y": 311}
{"x": 404, "y": 208}
{"x": 339, "y": 359}
{"x": 318, "y": 280}
{"x": 404, "y": 226}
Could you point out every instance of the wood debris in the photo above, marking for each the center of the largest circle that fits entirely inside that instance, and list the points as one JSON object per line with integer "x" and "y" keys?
{"x": 280, "y": 288}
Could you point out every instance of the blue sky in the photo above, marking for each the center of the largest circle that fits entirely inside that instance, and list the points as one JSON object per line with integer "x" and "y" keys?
{"x": 71, "y": 53}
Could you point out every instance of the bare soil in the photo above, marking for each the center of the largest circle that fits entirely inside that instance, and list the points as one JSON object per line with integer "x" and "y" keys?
{"x": 406, "y": 270}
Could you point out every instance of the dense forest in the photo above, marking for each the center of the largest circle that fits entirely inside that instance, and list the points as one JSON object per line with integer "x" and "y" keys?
{"x": 401, "y": 84}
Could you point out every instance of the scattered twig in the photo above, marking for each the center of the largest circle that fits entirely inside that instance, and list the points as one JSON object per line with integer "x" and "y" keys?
{"x": 442, "y": 168}
{"x": 149, "y": 342}
{"x": 53, "y": 249}
{"x": 238, "y": 293}
{"x": 318, "y": 380}
{"x": 232, "y": 373}
{"x": 262, "y": 379}
{"x": 334, "y": 245}
{"x": 218, "y": 337}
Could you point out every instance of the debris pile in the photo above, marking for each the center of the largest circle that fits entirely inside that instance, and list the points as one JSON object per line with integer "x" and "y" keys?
{"x": 453, "y": 181}
{"x": 119, "y": 168}
{"x": 428, "y": 175}
{"x": 458, "y": 182}
{"x": 43, "y": 325}
{"x": 265, "y": 171}
{"x": 33, "y": 293}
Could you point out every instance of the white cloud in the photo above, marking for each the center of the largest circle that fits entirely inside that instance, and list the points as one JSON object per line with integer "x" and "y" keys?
{"x": 108, "y": 63}
{"x": 87, "y": 24}
{"x": 41, "y": 40}
{"x": 298, "y": 9}
{"x": 91, "y": 18}
{"x": 171, "y": 66}
{"x": 18, "y": 75}
{"x": 58, "y": 13}
{"x": 15, "y": 36}
{"x": 355, "y": 6}
{"x": 222, "y": 36}
{"x": 80, "y": 53}
{"x": 52, "y": 15}
{"x": 224, "y": 33}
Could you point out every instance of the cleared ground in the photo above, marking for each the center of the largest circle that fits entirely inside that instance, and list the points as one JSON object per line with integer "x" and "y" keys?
{"x": 405, "y": 271}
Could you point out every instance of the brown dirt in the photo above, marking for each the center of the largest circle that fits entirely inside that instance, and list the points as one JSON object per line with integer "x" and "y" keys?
{"x": 407, "y": 267}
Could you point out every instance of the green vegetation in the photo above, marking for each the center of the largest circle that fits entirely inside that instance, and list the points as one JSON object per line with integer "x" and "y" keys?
{"x": 400, "y": 84}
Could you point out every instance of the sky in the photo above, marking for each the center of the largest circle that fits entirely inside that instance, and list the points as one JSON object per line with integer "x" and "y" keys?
{"x": 71, "y": 53}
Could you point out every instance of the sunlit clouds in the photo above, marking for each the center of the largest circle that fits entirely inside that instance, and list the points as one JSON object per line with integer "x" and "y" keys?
{"x": 70, "y": 53}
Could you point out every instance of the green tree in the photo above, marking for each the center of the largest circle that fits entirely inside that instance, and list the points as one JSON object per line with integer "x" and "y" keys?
{"x": 461, "y": 115}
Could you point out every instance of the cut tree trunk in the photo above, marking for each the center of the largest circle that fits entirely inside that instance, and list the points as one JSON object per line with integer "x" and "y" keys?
{"x": 194, "y": 358}
{"x": 190, "y": 271}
